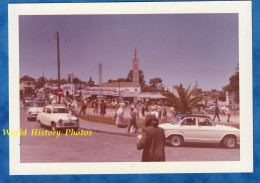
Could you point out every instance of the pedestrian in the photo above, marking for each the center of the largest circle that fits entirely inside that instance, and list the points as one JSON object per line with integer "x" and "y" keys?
{"x": 228, "y": 113}
{"x": 95, "y": 106}
{"x": 216, "y": 113}
{"x": 143, "y": 110}
{"x": 133, "y": 119}
{"x": 137, "y": 112}
{"x": 152, "y": 140}
{"x": 154, "y": 110}
{"x": 24, "y": 104}
{"x": 83, "y": 107}
{"x": 159, "y": 113}
{"x": 120, "y": 116}
{"x": 164, "y": 111}
{"x": 102, "y": 108}
{"x": 113, "y": 106}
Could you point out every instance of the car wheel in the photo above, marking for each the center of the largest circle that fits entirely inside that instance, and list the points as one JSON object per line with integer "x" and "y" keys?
{"x": 53, "y": 127}
{"x": 39, "y": 123}
{"x": 230, "y": 142}
{"x": 176, "y": 141}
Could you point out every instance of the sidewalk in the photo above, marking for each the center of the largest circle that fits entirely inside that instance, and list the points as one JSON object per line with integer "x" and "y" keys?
{"x": 104, "y": 128}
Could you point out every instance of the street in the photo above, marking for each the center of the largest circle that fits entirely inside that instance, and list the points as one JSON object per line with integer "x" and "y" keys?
{"x": 107, "y": 148}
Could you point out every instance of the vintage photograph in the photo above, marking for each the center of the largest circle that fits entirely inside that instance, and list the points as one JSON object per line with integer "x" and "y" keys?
{"x": 102, "y": 80}
{"x": 130, "y": 88}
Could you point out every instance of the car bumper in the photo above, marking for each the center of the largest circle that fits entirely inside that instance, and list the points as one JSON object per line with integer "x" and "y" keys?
{"x": 67, "y": 125}
{"x": 32, "y": 116}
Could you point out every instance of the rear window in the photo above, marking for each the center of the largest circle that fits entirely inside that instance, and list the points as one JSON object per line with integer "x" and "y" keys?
{"x": 175, "y": 120}
{"x": 37, "y": 104}
{"x": 59, "y": 110}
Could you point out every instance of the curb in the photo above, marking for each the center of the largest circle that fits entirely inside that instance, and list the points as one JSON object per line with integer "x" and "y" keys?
{"x": 110, "y": 133}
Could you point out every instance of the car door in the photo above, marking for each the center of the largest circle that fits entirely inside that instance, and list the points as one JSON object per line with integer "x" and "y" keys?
{"x": 188, "y": 128}
{"x": 41, "y": 115}
{"x": 48, "y": 117}
{"x": 207, "y": 131}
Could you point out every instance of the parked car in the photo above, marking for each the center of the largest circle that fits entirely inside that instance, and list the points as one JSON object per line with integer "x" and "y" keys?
{"x": 200, "y": 129}
{"x": 27, "y": 101}
{"x": 57, "y": 117}
{"x": 34, "y": 110}
{"x": 40, "y": 98}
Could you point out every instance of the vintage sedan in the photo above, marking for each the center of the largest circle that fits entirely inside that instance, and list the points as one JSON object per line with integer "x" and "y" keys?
{"x": 34, "y": 110}
{"x": 200, "y": 129}
{"x": 57, "y": 117}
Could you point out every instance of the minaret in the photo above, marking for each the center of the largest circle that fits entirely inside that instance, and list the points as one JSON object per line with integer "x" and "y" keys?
{"x": 135, "y": 69}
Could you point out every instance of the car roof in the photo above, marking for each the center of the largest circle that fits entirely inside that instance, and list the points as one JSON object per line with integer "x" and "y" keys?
{"x": 191, "y": 115}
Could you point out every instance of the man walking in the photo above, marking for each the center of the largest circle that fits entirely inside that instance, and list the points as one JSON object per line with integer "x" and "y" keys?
{"x": 102, "y": 108}
{"x": 216, "y": 113}
{"x": 133, "y": 119}
{"x": 152, "y": 141}
{"x": 227, "y": 111}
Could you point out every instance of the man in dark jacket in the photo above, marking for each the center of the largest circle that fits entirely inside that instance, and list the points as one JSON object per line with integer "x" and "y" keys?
{"x": 152, "y": 141}
{"x": 216, "y": 113}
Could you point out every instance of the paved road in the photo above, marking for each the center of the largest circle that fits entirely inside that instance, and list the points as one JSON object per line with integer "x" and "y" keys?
{"x": 107, "y": 148}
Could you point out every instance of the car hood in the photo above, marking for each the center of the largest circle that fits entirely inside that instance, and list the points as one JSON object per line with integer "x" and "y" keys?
{"x": 35, "y": 109}
{"x": 64, "y": 116}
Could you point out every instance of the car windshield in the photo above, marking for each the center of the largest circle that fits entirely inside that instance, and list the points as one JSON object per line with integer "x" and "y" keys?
{"x": 60, "y": 110}
{"x": 37, "y": 104}
{"x": 175, "y": 120}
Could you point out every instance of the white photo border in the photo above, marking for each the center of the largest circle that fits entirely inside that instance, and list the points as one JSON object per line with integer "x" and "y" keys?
{"x": 246, "y": 95}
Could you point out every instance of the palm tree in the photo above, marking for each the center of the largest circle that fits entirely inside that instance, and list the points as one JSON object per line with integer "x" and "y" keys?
{"x": 185, "y": 100}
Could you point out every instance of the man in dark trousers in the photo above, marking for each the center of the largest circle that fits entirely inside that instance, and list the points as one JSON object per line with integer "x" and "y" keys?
{"x": 216, "y": 113}
{"x": 152, "y": 141}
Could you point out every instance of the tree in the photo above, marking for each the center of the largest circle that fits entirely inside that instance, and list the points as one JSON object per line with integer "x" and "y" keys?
{"x": 185, "y": 100}
{"x": 40, "y": 82}
{"x": 111, "y": 81}
{"x": 233, "y": 86}
{"x": 141, "y": 77}
{"x": 122, "y": 80}
{"x": 147, "y": 88}
{"x": 55, "y": 81}
{"x": 27, "y": 78}
{"x": 156, "y": 82}
{"x": 90, "y": 82}
{"x": 76, "y": 80}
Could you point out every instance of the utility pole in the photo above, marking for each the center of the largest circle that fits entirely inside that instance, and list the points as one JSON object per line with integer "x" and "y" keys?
{"x": 100, "y": 78}
{"x": 58, "y": 61}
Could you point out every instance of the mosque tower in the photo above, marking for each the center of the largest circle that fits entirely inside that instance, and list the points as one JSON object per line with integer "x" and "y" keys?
{"x": 135, "y": 69}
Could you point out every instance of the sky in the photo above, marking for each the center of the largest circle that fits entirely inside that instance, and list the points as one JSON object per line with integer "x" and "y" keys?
{"x": 178, "y": 48}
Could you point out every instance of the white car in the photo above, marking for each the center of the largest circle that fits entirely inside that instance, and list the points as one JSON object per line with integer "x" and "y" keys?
{"x": 200, "y": 129}
{"x": 56, "y": 116}
{"x": 34, "y": 110}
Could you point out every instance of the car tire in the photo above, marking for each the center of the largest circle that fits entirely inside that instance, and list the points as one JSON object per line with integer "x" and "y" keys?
{"x": 53, "y": 127}
{"x": 39, "y": 123}
{"x": 175, "y": 141}
{"x": 230, "y": 142}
